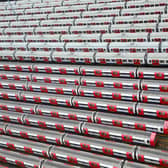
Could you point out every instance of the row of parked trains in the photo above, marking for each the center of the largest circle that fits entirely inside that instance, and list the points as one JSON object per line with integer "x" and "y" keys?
{"x": 49, "y": 28}
{"x": 59, "y": 106}
{"x": 60, "y": 84}
{"x": 47, "y": 21}
{"x": 63, "y": 152}
{"x": 110, "y": 104}
{"x": 11, "y": 90}
{"x": 104, "y": 71}
{"x": 107, "y": 37}
{"x": 111, "y": 119}
{"x": 145, "y": 93}
{"x": 69, "y": 6}
{"x": 86, "y": 128}
{"x": 151, "y": 59}
{"x": 102, "y": 47}
{"x": 16, "y": 160}
{"x": 65, "y": 5}
{"x": 81, "y": 11}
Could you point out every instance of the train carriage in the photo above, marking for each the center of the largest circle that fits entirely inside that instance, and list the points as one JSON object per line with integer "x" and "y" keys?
{"x": 84, "y": 158}
{"x": 8, "y": 94}
{"x": 152, "y": 110}
{"x": 57, "y": 69}
{"x": 135, "y": 59}
{"x": 33, "y": 56}
{"x": 104, "y": 104}
{"x": 8, "y": 116}
{"x": 158, "y": 157}
{"x": 27, "y": 146}
{"x": 73, "y": 57}
{"x": 116, "y": 72}
{"x": 17, "y": 85}
{"x": 157, "y": 59}
{"x": 56, "y": 79}
{"x": 105, "y": 82}
{"x": 46, "y": 98}
{"x": 152, "y": 73}
{"x": 20, "y": 107}
{"x": 52, "y": 88}
{"x": 119, "y": 134}
{"x": 109, "y": 93}
{"x": 66, "y": 113}
{"x": 19, "y": 159}
{"x": 18, "y": 76}
{"x": 132, "y": 122}
{"x": 13, "y": 66}
{"x": 33, "y": 133}
{"x": 109, "y": 148}
{"x": 53, "y": 123}
{"x": 150, "y": 97}
{"x": 154, "y": 85}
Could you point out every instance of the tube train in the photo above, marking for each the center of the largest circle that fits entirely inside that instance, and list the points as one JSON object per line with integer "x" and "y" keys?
{"x": 52, "y": 138}
{"x": 153, "y": 59}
